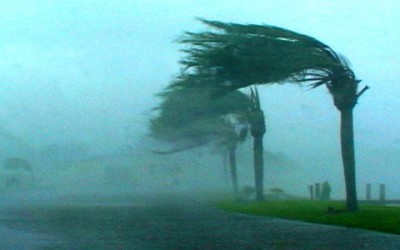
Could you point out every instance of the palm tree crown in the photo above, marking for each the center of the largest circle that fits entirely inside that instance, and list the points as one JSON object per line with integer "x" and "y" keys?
{"x": 237, "y": 56}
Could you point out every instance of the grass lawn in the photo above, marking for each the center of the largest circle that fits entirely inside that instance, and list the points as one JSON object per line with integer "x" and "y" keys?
{"x": 372, "y": 217}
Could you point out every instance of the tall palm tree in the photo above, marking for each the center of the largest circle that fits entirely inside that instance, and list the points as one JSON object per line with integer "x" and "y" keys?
{"x": 233, "y": 56}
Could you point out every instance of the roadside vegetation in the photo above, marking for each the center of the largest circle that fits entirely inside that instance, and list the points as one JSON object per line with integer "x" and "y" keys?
{"x": 372, "y": 217}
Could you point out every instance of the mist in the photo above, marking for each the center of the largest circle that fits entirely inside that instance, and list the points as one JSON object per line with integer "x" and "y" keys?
{"x": 79, "y": 82}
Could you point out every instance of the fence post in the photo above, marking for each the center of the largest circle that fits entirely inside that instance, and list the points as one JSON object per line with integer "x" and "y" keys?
{"x": 382, "y": 193}
{"x": 368, "y": 192}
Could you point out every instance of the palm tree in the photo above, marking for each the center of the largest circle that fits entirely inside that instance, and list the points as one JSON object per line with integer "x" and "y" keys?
{"x": 230, "y": 140}
{"x": 235, "y": 56}
{"x": 188, "y": 119}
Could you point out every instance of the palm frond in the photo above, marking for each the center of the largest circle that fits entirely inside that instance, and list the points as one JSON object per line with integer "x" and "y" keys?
{"x": 187, "y": 112}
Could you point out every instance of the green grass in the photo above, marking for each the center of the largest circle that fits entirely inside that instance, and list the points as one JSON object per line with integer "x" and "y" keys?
{"x": 371, "y": 217}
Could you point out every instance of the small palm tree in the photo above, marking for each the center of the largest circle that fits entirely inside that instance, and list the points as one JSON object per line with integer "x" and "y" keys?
{"x": 235, "y": 56}
{"x": 188, "y": 118}
{"x": 230, "y": 138}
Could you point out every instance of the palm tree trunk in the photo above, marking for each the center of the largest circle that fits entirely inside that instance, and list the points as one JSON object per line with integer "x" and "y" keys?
{"x": 259, "y": 167}
{"x": 348, "y": 157}
{"x": 225, "y": 168}
{"x": 232, "y": 162}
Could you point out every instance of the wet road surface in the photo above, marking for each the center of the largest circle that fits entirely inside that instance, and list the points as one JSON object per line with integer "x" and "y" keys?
{"x": 142, "y": 223}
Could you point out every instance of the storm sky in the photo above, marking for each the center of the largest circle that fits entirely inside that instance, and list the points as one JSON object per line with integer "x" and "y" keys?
{"x": 81, "y": 71}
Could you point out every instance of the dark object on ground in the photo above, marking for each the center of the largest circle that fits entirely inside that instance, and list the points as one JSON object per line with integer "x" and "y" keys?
{"x": 331, "y": 210}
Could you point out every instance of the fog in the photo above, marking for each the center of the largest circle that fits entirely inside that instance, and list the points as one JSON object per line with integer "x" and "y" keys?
{"x": 81, "y": 77}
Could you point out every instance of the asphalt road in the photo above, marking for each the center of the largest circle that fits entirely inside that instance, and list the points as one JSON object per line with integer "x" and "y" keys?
{"x": 168, "y": 224}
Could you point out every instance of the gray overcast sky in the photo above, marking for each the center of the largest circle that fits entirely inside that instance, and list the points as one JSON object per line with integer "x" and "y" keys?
{"x": 76, "y": 70}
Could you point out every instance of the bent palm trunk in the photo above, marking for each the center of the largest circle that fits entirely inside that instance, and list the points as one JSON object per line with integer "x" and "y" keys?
{"x": 259, "y": 167}
{"x": 225, "y": 168}
{"x": 232, "y": 163}
{"x": 348, "y": 158}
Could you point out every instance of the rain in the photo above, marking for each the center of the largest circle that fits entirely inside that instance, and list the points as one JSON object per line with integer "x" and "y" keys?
{"x": 81, "y": 83}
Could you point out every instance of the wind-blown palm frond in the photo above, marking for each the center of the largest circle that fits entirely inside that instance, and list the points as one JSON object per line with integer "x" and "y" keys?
{"x": 189, "y": 114}
{"x": 255, "y": 99}
{"x": 179, "y": 149}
